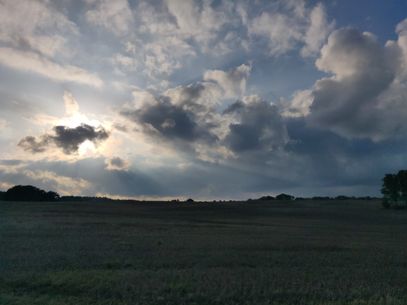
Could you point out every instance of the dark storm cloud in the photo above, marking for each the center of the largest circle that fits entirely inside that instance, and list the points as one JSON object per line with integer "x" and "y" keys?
{"x": 188, "y": 116}
{"x": 69, "y": 139}
{"x": 171, "y": 121}
{"x": 66, "y": 138}
{"x": 260, "y": 127}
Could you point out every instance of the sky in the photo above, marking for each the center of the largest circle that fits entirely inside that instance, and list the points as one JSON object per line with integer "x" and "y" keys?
{"x": 210, "y": 99}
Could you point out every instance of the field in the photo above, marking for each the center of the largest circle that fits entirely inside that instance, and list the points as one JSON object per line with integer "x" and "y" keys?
{"x": 305, "y": 252}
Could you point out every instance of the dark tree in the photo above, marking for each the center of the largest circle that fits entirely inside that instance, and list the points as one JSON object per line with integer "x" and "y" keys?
{"x": 52, "y": 196}
{"x": 29, "y": 193}
{"x": 394, "y": 190}
{"x": 2, "y": 194}
{"x": 189, "y": 200}
{"x": 390, "y": 190}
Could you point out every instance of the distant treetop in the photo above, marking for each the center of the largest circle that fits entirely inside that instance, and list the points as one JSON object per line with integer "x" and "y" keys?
{"x": 266, "y": 198}
{"x": 29, "y": 193}
{"x": 278, "y": 197}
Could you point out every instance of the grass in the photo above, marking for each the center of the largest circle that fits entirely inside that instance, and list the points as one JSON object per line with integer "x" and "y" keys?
{"x": 322, "y": 253}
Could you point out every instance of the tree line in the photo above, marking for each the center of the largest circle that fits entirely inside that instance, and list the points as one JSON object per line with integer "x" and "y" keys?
{"x": 32, "y": 193}
{"x": 394, "y": 190}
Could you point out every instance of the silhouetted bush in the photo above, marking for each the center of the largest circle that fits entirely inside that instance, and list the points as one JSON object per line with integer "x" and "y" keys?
{"x": 366, "y": 198}
{"x": 189, "y": 200}
{"x": 29, "y": 193}
{"x": 285, "y": 197}
{"x": 92, "y": 199}
{"x": 266, "y": 198}
{"x": 321, "y": 198}
{"x": 2, "y": 195}
{"x": 342, "y": 197}
{"x": 300, "y": 198}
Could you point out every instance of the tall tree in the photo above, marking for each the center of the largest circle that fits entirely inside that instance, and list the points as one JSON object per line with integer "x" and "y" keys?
{"x": 390, "y": 190}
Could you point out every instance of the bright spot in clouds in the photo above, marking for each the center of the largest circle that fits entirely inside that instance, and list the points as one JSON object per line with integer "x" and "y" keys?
{"x": 86, "y": 149}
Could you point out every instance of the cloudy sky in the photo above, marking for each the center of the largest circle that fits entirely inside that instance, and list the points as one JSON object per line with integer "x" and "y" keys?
{"x": 204, "y": 99}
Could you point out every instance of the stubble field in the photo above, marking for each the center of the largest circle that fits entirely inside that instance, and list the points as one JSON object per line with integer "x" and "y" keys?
{"x": 305, "y": 252}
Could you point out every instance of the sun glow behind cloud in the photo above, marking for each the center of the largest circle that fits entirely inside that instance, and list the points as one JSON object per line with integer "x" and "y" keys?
{"x": 77, "y": 119}
{"x": 74, "y": 117}
{"x": 87, "y": 149}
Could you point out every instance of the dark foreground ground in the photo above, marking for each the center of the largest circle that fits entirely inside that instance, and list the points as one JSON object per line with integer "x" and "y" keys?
{"x": 271, "y": 253}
